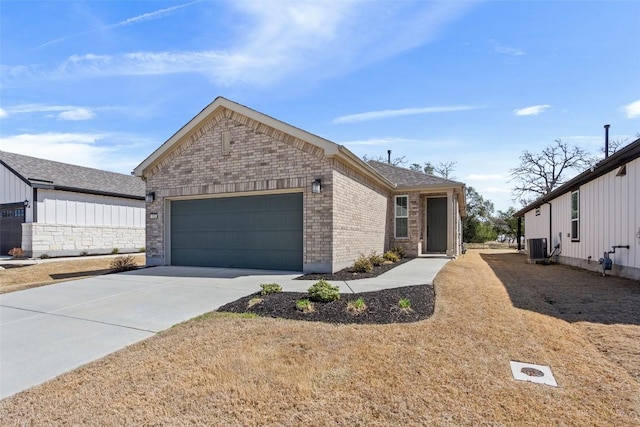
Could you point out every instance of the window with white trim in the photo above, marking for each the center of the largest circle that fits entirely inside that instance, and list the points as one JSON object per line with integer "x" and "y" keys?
{"x": 575, "y": 215}
{"x": 402, "y": 216}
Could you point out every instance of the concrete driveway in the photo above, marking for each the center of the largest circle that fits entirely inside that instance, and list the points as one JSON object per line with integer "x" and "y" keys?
{"x": 50, "y": 330}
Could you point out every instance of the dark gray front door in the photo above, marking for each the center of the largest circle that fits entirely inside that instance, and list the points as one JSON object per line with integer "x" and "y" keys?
{"x": 238, "y": 232}
{"x": 11, "y": 219}
{"x": 437, "y": 224}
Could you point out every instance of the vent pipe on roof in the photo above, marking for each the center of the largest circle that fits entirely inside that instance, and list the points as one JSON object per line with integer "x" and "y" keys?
{"x": 606, "y": 141}
{"x": 389, "y": 156}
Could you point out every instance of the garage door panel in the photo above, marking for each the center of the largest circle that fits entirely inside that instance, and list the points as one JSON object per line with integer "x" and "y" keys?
{"x": 245, "y": 232}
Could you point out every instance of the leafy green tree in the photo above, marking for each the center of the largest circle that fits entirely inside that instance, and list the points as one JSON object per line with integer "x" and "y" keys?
{"x": 478, "y": 226}
{"x": 506, "y": 224}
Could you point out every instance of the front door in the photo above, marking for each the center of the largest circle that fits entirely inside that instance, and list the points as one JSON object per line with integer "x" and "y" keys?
{"x": 11, "y": 219}
{"x": 436, "y": 225}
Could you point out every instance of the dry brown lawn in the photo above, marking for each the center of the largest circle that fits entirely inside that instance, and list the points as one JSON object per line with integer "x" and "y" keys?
{"x": 46, "y": 273}
{"x": 452, "y": 369}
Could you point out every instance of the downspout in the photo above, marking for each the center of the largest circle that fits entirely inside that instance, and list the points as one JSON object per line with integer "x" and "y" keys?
{"x": 519, "y": 233}
{"x": 549, "y": 245}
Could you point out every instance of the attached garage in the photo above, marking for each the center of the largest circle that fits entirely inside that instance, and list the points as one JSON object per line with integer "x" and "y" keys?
{"x": 261, "y": 232}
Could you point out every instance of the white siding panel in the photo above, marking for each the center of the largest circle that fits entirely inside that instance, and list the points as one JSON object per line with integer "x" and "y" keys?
{"x": 14, "y": 190}
{"x": 63, "y": 207}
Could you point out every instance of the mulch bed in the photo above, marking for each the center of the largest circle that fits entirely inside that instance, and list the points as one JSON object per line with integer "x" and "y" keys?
{"x": 382, "y": 306}
{"x": 349, "y": 273}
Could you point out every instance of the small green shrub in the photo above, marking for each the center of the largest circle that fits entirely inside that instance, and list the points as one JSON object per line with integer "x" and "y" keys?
{"x": 391, "y": 256}
{"x": 44, "y": 256}
{"x": 304, "y": 305}
{"x": 270, "y": 288}
{"x": 375, "y": 259}
{"x": 123, "y": 263}
{"x": 362, "y": 265}
{"x": 115, "y": 251}
{"x": 405, "y": 304}
{"x": 399, "y": 251}
{"x": 84, "y": 253}
{"x": 322, "y": 291}
{"x": 358, "y": 306}
{"x": 17, "y": 253}
{"x": 142, "y": 249}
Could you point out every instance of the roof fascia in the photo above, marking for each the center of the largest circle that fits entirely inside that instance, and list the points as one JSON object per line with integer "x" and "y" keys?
{"x": 13, "y": 171}
{"x": 93, "y": 192}
{"x": 329, "y": 147}
{"x": 617, "y": 159}
{"x": 355, "y": 161}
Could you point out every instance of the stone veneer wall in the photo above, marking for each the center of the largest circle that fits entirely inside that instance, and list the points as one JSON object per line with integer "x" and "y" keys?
{"x": 61, "y": 240}
{"x": 261, "y": 160}
{"x": 359, "y": 216}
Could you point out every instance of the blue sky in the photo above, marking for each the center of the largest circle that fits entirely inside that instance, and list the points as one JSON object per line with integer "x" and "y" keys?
{"x": 102, "y": 84}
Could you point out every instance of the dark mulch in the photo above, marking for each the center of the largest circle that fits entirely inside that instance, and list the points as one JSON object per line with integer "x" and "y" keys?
{"x": 7, "y": 266}
{"x": 349, "y": 274}
{"x": 382, "y": 306}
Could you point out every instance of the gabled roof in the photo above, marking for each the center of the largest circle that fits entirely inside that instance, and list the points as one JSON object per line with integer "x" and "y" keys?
{"x": 406, "y": 178}
{"x": 329, "y": 148}
{"x": 41, "y": 173}
{"x": 616, "y": 160}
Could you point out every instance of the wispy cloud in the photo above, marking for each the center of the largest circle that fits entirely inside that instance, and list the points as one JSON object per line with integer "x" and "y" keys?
{"x": 316, "y": 40}
{"x": 67, "y": 112}
{"x": 500, "y": 190}
{"x": 3, "y": 113}
{"x": 97, "y": 150}
{"x": 385, "y": 114}
{"x": 632, "y": 110}
{"x": 533, "y": 110}
{"x": 129, "y": 21}
{"x": 512, "y": 51}
{"x": 479, "y": 177}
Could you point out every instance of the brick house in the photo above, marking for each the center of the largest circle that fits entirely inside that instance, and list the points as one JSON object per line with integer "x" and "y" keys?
{"x": 56, "y": 209}
{"x": 237, "y": 188}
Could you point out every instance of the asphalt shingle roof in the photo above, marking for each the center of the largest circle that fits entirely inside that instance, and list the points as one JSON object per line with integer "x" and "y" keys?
{"x": 41, "y": 172}
{"x": 403, "y": 177}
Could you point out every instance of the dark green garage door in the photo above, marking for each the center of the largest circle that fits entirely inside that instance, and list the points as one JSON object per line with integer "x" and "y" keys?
{"x": 238, "y": 232}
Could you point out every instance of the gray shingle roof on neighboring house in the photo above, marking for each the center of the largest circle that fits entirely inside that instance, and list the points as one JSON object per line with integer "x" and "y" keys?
{"x": 41, "y": 173}
{"x": 407, "y": 178}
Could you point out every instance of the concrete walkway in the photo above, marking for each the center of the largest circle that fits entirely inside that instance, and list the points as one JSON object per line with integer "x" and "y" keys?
{"x": 49, "y": 330}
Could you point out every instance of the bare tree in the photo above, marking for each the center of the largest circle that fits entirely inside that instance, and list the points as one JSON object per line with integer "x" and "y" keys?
{"x": 540, "y": 173}
{"x": 443, "y": 169}
{"x": 395, "y": 161}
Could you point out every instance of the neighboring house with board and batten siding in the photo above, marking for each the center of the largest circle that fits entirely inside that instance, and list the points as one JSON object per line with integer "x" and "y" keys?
{"x": 237, "y": 188}
{"x": 56, "y": 209}
{"x": 596, "y": 212}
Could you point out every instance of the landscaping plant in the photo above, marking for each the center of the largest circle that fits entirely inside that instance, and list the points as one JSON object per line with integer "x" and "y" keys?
{"x": 123, "y": 263}
{"x": 323, "y": 291}
{"x": 399, "y": 251}
{"x": 358, "y": 306}
{"x": 362, "y": 265}
{"x": 270, "y": 288}
{"x": 391, "y": 256}
{"x": 17, "y": 253}
{"x": 304, "y": 305}
{"x": 375, "y": 259}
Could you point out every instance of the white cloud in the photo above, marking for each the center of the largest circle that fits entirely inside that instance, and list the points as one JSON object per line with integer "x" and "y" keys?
{"x": 3, "y": 113}
{"x": 67, "y": 112}
{"x": 316, "y": 40}
{"x": 534, "y": 110}
{"x": 107, "y": 151}
{"x": 499, "y": 190}
{"x": 77, "y": 114}
{"x": 512, "y": 51}
{"x": 385, "y": 114}
{"x": 632, "y": 110}
{"x": 479, "y": 177}
{"x": 129, "y": 21}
